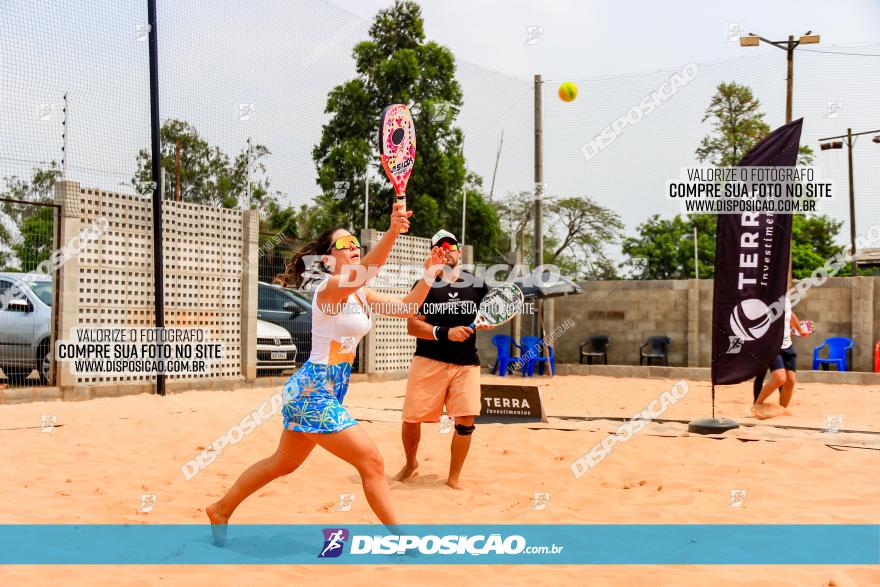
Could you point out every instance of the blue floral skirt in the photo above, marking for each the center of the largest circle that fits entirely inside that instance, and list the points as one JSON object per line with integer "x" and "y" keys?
{"x": 313, "y": 399}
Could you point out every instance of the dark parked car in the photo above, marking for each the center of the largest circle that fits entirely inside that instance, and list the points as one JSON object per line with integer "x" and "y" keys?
{"x": 291, "y": 311}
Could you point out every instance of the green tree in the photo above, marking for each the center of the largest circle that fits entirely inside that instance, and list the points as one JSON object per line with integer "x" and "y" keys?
{"x": 37, "y": 236}
{"x": 737, "y": 124}
{"x": 482, "y": 226}
{"x": 278, "y": 219}
{"x": 398, "y": 65}
{"x": 667, "y": 247}
{"x": 33, "y": 244}
{"x": 576, "y": 230}
{"x": 207, "y": 175}
{"x": 812, "y": 243}
{"x": 583, "y": 227}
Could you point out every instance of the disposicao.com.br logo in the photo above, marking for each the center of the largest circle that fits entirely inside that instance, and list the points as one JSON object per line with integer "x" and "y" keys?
{"x": 334, "y": 541}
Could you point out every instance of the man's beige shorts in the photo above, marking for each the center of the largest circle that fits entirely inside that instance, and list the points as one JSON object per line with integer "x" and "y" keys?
{"x": 431, "y": 384}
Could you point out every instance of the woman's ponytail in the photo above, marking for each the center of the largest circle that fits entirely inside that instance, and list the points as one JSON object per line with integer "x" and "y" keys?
{"x": 296, "y": 273}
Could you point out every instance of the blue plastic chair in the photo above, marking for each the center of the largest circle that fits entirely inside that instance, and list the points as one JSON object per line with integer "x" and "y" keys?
{"x": 532, "y": 346}
{"x": 837, "y": 348}
{"x": 503, "y": 343}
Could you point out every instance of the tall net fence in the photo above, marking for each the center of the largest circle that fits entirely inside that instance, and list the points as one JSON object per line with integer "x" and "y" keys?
{"x": 832, "y": 92}
{"x": 262, "y": 71}
{"x": 79, "y": 73}
{"x": 244, "y": 87}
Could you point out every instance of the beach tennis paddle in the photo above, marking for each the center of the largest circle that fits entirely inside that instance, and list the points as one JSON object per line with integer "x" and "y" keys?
{"x": 807, "y": 325}
{"x": 500, "y": 305}
{"x": 397, "y": 147}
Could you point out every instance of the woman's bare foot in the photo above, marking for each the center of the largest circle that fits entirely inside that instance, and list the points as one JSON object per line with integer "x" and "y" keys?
{"x": 454, "y": 483}
{"x": 219, "y": 523}
{"x": 407, "y": 472}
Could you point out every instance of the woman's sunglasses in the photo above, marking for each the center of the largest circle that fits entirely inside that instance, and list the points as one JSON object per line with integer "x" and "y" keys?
{"x": 346, "y": 242}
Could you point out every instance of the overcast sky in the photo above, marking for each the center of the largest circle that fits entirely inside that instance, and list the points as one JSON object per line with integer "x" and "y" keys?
{"x": 591, "y": 38}
{"x": 280, "y": 58}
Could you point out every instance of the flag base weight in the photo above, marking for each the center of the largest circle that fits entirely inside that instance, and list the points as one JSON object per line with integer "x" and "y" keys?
{"x": 712, "y": 426}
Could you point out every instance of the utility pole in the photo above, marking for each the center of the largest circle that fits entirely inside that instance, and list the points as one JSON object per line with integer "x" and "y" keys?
{"x": 495, "y": 171}
{"x": 463, "y": 212}
{"x": 852, "y": 201}
{"x": 850, "y": 142}
{"x": 519, "y": 255}
{"x": 808, "y": 38}
{"x": 753, "y": 40}
{"x": 248, "y": 187}
{"x": 463, "y": 200}
{"x": 177, "y": 170}
{"x": 367, "y": 198}
{"x": 789, "y": 78}
{"x": 539, "y": 195}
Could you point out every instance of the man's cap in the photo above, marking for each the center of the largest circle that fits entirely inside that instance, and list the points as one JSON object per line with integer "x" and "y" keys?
{"x": 442, "y": 235}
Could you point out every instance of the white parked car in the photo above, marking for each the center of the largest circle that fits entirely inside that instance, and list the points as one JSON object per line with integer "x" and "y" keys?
{"x": 275, "y": 348}
{"x": 25, "y": 322}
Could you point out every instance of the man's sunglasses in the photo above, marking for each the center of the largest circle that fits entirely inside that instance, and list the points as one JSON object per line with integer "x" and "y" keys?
{"x": 448, "y": 246}
{"x": 346, "y": 242}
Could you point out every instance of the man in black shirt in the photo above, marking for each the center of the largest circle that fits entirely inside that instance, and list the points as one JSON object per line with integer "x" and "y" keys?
{"x": 445, "y": 369}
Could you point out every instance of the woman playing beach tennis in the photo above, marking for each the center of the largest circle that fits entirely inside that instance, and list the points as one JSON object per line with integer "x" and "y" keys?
{"x": 312, "y": 403}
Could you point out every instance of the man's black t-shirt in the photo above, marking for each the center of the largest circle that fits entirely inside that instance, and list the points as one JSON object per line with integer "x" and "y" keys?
{"x": 450, "y": 306}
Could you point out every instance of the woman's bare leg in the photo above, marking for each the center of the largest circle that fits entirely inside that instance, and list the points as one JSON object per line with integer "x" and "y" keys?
{"x": 293, "y": 448}
{"x": 353, "y": 446}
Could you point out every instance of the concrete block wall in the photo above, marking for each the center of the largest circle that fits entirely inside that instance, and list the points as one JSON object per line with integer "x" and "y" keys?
{"x": 388, "y": 347}
{"x": 831, "y": 308}
{"x": 627, "y": 310}
{"x": 630, "y": 311}
{"x": 110, "y": 283}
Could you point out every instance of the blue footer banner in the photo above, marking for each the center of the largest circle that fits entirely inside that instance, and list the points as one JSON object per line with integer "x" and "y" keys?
{"x": 474, "y": 544}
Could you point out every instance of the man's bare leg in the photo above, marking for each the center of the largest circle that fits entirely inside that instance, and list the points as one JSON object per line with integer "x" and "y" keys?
{"x": 461, "y": 443}
{"x": 411, "y": 433}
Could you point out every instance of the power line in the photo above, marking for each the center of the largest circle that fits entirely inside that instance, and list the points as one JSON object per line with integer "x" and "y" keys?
{"x": 840, "y": 52}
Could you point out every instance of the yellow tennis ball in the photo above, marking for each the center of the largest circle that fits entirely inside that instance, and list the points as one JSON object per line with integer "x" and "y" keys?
{"x": 568, "y": 92}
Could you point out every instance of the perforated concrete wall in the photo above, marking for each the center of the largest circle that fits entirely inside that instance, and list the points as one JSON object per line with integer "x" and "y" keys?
{"x": 388, "y": 346}
{"x": 203, "y": 251}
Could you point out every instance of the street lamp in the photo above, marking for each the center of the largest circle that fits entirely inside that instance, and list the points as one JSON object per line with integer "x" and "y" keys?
{"x": 850, "y": 141}
{"x": 808, "y": 38}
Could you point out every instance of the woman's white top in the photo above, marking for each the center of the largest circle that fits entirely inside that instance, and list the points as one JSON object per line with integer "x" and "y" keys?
{"x": 338, "y": 328}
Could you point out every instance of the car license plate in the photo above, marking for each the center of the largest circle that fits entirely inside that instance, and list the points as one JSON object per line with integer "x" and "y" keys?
{"x": 279, "y": 355}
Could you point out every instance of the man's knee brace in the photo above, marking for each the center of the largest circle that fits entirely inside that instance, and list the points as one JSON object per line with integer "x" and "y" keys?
{"x": 463, "y": 430}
